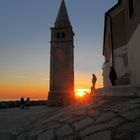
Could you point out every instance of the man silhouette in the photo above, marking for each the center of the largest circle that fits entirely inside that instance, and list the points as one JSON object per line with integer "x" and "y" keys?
{"x": 113, "y": 76}
{"x": 22, "y": 103}
{"x": 94, "y": 79}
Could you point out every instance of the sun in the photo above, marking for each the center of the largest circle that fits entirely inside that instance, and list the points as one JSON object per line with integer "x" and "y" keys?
{"x": 80, "y": 93}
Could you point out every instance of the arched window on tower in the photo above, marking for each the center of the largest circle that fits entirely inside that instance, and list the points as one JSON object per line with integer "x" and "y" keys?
{"x": 63, "y": 34}
{"x": 60, "y": 35}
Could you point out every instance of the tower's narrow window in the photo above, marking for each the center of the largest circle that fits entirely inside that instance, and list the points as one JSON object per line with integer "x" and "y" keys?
{"x": 63, "y": 35}
{"x": 131, "y": 7}
{"x": 58, "y": 35}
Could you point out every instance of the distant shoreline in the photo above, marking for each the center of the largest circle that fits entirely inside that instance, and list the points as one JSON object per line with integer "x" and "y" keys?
{"x": 16, "y": 103}
{"x": 18, "y": 99}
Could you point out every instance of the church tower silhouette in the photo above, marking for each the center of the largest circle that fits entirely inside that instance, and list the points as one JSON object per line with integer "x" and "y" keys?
{"x": 61, "y": 60}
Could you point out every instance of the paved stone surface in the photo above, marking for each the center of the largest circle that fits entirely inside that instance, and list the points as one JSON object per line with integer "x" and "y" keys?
{"x": 98, "y": 118}
{"x": 103, "y": 135}
{"x": 12, "y": 121}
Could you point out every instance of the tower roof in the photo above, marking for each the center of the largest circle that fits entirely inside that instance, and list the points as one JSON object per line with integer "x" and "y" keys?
{"x": 62, "y": 19}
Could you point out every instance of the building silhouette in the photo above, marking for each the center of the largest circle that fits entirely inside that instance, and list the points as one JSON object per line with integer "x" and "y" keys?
{"x": 121, "y": 45}
{"x": 61, "y": 60}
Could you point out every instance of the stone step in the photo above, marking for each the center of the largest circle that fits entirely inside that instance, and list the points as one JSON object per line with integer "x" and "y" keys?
{"x": 124, "y": 90}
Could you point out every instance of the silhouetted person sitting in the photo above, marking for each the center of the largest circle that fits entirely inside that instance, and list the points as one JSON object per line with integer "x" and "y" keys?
{"x": 113, "y": 76}
{"x": 94, "y": 79}
{"x": 27, "y": 103}
{"x": 22, "y": 103}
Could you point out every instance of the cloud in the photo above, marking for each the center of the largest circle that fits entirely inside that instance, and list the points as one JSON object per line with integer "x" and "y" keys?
{"x": 45, "y": 79}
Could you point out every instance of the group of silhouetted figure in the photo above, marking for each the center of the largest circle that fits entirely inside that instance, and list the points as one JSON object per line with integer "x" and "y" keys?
{"x": 25, "y": 104}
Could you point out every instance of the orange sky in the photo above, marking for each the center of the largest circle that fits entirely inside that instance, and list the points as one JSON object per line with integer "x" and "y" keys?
{"x": 16, "y": 86}
{"x": 37, "y": 88}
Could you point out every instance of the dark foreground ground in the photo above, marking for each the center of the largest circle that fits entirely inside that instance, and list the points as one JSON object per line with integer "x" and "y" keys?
{"x": 14, "y": 104}
{"x": 100, "y": 118}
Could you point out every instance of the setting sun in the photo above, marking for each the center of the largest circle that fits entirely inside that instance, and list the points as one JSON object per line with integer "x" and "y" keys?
{"x": 79, "y": 93}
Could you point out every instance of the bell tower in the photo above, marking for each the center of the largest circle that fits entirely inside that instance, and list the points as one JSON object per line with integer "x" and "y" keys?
{"x": 61, "y": 60}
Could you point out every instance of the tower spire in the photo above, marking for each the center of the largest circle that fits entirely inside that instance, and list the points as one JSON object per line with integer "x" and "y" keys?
{"x": 62, "y": 19}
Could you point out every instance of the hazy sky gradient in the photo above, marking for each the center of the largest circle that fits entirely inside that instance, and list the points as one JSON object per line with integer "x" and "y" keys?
{"x": 25, "y": 43}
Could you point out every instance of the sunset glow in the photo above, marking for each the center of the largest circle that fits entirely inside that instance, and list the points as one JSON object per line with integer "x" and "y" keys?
{"x": 13, "y": 88}
{"x": 80, "y": 93}
{"x": 37, "y": 87}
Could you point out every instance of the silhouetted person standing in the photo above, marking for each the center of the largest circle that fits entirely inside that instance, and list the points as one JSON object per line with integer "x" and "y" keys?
{"x": 113, "y": 76}
{"x": 94, "y": 79}
{"x": 22, "y": 103}
{"x": 28, "y": 103}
